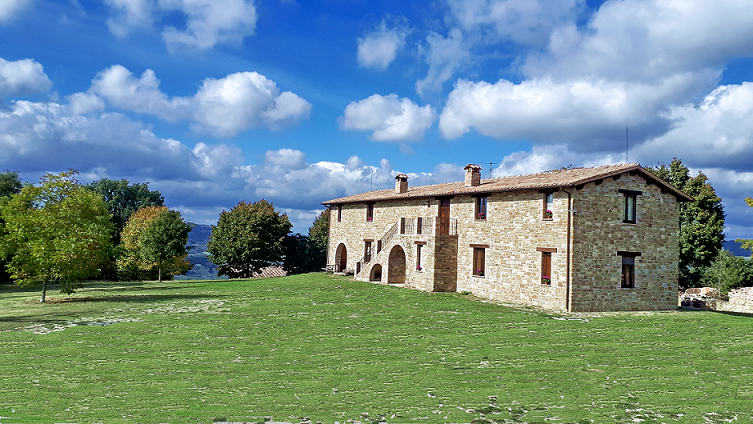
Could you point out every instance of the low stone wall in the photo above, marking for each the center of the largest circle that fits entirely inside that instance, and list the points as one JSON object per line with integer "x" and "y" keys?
{"x": 739, "y": 300}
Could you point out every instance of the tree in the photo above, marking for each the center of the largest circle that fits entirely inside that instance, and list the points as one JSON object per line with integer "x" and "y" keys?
{"x": 747, "y": 244}
{"x": 10, "y": 184}
{"x": 297, "y": 259}
{"x": 55, "y": 232}
{"x": 318, "y": 239}
{"x": 701, "y": 220}
{"x": 728, "y": 272}
{"x": 165, "y": 240}
{"x": 145, "y": 230}
{"x": 248, "y": 238}
{"x": 123, "y": 199}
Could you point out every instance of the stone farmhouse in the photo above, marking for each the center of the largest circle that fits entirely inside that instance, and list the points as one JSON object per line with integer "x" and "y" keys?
{"x": 585, "y": 239}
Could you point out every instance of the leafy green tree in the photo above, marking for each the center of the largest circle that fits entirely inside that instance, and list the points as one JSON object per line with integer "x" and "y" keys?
{"x": 140, "y": 258}
{"x": 318, "y": 238}
{"x": 747, "y": 244}
{"x": 297, "y": 259}
{"x": 124, "y": 198}
{"x": 701, "y": 221}
{"x": 308, "y": 254}
{"x": 55, "y": 232}
{"x": 248, "y": 238}
{"x": 728, "y": 272}
{"x": 10, "y": 184}
{"x": 165, "y": 240}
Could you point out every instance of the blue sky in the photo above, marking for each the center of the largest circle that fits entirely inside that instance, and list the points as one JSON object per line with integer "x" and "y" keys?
{"x": 214, "y": 101}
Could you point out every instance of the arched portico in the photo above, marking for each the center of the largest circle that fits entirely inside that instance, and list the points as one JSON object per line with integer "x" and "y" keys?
{"x": 341, "y": 258}
{"x": 396, "y": 267}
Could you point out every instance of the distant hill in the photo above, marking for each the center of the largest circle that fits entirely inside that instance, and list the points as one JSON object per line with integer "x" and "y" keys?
{"x": 734, "y": 248}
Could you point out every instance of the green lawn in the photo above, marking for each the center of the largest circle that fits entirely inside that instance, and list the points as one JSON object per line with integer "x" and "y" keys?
{"x": 329, "y": 349}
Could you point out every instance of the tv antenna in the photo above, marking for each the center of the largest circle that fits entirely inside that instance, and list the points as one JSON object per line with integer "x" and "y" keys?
{"x": 490, "y": 167}
{"x": 627, "y": 158}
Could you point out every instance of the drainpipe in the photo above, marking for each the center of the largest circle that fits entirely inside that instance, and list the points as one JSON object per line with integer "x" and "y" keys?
{"x": 329, "y": 233}
{"x": 567, "y": 273}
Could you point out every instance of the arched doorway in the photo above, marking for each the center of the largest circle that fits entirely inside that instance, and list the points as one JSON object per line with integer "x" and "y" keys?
{"x": 341, "y": 258}
{"x": 376, "y": 273}
{"x": 396, "y": 268}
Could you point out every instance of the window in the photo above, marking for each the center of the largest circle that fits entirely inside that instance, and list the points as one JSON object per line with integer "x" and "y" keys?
{"x": 630, "y": 205}
{"x": 630, "y": 202}
{"x": 479, "y": 261}
{"x": 546, "y": 264}
{"x": 369, "y": 212}
{"x": 627, "y": 279}
{"x": 481, "y": 207}
{"x": 339, "y": 213}
{"x": 548, "y": 205}
{"x": 418, "y": 256}
{"x": 366, "y": 251}
{"x": 546, "y": 268}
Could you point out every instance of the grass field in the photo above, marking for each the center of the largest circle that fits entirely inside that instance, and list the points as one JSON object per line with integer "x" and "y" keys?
{"x": 322, "y": 348}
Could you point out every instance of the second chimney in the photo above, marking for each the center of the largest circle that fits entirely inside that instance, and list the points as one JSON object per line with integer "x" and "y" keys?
{"x": 401, "y": 184}
{"x": 472, "y": 175}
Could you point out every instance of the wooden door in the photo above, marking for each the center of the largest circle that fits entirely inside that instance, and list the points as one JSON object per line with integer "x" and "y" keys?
{"x": 444, "y": 217}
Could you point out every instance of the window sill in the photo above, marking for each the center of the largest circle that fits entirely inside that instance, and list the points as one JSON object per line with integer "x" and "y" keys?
{"x": 480, "y": 219}
{"x": 478, "y": 276}
{"x": 629, "y": 222}
{"x": 547, "y": 219}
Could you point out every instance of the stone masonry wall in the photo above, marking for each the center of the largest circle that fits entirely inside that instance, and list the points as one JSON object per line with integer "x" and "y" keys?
{"x": 354, "y": 228}
{"x": 513, "y": 229}
{"x": 599, "y": 234}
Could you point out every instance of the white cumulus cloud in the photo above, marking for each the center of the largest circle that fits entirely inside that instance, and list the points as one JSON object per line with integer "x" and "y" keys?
{"x": 390, "y": 118}
{"x": 379, "y": 48}
{"x": 222, "y": 107}
{"x": 207, "y": 22}
{"x": 527, "y": 22}
{"x": 129, "y": 14}
{"x": 590, "y": 113}
{"x": 22, "y": 77}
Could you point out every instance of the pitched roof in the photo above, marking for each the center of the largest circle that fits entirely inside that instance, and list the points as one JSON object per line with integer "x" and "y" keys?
{"x": 544, "y": 180}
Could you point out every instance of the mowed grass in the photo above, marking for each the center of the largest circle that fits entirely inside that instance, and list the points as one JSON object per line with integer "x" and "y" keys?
{"x": 322, "y": 348}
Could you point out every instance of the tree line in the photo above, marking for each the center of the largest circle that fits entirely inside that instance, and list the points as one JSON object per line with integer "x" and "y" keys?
{"x": 62, "y": 232}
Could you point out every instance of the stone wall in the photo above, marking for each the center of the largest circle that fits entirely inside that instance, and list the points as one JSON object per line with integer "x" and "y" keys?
{"x": 740, "y": 300}
{"x": 513, "y": 230}
{"x": 599, "y": 233}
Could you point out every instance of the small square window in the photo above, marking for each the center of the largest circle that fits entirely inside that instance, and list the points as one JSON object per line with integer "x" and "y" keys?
{"x": 479, "y": 261}
{"x": 548, "y": 205}
{"x": 481, "y": 207}
{"x": 546, "y": 268}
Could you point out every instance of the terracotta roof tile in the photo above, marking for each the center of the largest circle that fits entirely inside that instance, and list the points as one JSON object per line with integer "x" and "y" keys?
{"x": 544, "y": 180}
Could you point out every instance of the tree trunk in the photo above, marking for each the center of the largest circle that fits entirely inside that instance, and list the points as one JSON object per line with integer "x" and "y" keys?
{"x": 159, "y": 272}
{"x": 44, "y": 291}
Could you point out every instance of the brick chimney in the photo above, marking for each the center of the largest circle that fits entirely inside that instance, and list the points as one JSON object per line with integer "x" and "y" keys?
{"x": 401, "y": 184}
{"x": 472, "y": 175}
